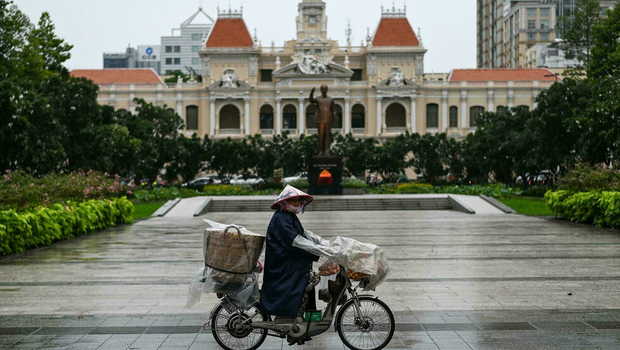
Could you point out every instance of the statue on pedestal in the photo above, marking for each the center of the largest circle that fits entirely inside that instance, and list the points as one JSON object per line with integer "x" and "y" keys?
{"x": 325, "y": 117}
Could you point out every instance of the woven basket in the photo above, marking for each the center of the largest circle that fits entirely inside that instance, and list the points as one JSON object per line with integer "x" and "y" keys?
{"x": 231, "y": 252}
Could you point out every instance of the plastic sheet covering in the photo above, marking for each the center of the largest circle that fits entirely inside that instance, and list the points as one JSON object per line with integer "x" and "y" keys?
{"x": 354, "y": 255}
{"x": 231, "y": 256}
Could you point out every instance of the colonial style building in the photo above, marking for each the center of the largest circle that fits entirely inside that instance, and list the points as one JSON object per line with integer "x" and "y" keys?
{"x": 380, "y": 88}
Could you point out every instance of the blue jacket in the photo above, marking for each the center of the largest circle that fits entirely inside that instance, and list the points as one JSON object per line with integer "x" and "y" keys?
{"x": 286, "y": 267}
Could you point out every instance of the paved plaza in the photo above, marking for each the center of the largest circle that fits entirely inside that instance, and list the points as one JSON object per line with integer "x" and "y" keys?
{"x": 458, "y": 281}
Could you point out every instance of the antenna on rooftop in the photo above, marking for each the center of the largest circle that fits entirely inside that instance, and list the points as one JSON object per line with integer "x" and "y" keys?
{"x": 349, "y": 32}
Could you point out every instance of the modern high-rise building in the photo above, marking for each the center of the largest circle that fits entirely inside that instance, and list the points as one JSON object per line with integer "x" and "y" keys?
{"x": 177, "y": 52}
{"x": 180, "y": 51}
{"x": 507, "y": 29}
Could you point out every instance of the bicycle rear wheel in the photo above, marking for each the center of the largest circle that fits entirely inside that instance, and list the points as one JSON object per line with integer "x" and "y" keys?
{"x": 232, "y": 331}
{"x": 372, "y": 328}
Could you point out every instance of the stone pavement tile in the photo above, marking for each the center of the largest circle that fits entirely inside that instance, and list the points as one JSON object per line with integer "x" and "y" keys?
{"x": 65, "y": 339}
{"x": 116, "y": 342}
{"x": 424, "y": 346}
{"x": 563, "y": 327}
{"x": 95, "y": 338}
{"x": 179, "y": 340}
{"x": 10, "y": 339}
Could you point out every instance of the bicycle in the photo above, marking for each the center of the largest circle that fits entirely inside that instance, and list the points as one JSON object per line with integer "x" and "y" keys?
{"x": 363, "y": 322}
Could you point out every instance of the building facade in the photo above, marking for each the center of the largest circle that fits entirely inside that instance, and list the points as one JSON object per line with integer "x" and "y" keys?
{"x": 145, "y": 56}
{"x": 507, "y": 29}
{"x": 380, "y": 89}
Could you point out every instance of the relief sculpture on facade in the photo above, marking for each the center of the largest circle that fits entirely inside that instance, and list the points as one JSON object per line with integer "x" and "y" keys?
{"x": 229, "y": 79}
{"x": 397, "y": 78}
{"x": 311, "y": 65}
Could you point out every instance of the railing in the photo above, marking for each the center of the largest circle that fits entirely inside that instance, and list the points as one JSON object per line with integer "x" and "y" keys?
{"x": 229, "y": 131}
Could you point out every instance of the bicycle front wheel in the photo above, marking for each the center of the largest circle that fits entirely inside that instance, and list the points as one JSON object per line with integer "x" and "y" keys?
{"x": 234, "y": 331}
{"x": 369, "y": 328}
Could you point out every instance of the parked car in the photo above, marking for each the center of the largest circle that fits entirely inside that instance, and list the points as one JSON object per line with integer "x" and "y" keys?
{"x": 248, "y": 180}
{"x": 199, "y": 183}
{"x": 300, "y": 176}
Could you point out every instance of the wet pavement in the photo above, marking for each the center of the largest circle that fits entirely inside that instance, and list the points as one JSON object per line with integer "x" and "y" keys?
{"x": 458, "y": 281}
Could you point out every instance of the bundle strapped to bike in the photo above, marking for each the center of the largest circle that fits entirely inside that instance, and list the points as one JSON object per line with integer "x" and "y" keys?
{"x": 231, "y": 253}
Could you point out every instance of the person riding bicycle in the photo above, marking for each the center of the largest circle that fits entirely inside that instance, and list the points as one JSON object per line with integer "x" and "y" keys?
{"x": 287, "y": 267}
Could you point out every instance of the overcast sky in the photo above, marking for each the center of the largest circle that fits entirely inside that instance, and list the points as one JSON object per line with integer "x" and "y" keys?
{"x": 97, "y": 26}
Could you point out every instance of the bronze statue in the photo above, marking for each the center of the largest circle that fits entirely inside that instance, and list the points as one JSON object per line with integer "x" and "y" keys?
{"x": 325, "y": 117}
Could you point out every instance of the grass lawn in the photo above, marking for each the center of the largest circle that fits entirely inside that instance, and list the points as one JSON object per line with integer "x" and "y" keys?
{"x": 144, "y": 210}
{"x": 532, "y": 206}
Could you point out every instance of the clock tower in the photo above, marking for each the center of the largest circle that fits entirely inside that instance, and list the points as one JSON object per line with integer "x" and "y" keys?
{"x": 312, "y": 21}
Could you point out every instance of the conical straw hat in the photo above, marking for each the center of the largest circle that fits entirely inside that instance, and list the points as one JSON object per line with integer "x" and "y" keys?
{"x": 291, "y": 192}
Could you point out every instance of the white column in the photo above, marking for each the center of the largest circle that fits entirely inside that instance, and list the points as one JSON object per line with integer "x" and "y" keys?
{"x": 511, "y": 94}
{"x": 247, "y": 128}
{"x": 464, "y": 123}
{"x": 212, "y": 117}
{"x": 347, "y": 116}
{"x": 414, "y": 114}
{"x": 445, "y": 124}
{"x": 379, "y": 117}
{"x": 278, "y": 116}
{"x": 491, "y": 101}
{"x": 302, "y": 117}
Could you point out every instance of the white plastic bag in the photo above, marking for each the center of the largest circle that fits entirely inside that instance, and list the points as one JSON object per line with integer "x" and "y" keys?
{"x": 242, "y": 288}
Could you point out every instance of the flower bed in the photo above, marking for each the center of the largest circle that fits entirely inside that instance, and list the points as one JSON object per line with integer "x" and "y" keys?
{"x": 43, "y": 226}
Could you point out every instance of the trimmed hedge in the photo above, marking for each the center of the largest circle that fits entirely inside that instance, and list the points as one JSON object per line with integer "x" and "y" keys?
{"x": 601, "y": 208}
{"x": 43, "y": 226}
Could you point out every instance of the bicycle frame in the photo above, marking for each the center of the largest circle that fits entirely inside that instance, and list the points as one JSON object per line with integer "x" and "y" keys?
{"x": 300, "y": 330}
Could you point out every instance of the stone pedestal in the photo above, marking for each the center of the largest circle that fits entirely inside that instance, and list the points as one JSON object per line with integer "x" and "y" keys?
{"x": 325, "y": 175}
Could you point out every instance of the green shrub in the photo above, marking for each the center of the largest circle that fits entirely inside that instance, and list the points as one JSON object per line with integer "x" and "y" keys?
{"x": 496, "y": 190}
{"x": 585, "y": 178}
{"x": 599, "y": 208}
{"x": 43, "y": 226}
{"x": 301, "y": 183}
{"x": 413, "y": 188}
{"x": 353, "y": 183}
{"x": 609, "y": 204}
{"x": 235, "y": 190}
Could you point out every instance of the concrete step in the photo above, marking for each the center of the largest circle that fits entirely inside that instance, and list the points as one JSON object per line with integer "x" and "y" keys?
{"x": 366, "y": 204}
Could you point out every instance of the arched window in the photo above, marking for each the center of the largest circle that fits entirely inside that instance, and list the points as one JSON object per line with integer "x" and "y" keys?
{"x": 396, "y": 116}
{"x": 266, "y": 117}
{"x": 230, "y": 117}
{"x": 501, "y": 109}
{"x": 454, "y": 117}
{"x": 432, "y": 115}
{"x": 191, "y": 117}
{"x": 289, "y": 117}
{"x": 311, "y": 121}
{"x": 474, "y": 114}
{"x": 337, "y": 122}
{"x": 358, "y": 117}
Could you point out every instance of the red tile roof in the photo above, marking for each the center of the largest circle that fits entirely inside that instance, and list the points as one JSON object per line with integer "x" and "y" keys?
{"x": 230, "y": 32}
{"x": 501, "y": 75}
{"x": 395, "y": 32}
{"x": 118, "y": 76}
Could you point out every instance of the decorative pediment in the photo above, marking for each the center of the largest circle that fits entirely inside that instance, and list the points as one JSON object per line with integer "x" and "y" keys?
{"x": 305, "y": 66}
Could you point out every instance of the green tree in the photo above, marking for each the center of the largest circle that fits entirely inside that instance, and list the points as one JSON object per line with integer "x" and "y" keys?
{"x": 157, "y": 127}
{"x": 605, "y": 62}
{"x": 358, "y": 153}
{"x": 187, "y": 159}
{"x": 430, "y": 156}
{"x": 578, "y": 30}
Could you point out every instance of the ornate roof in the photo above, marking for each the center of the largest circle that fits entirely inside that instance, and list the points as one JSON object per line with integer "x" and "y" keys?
{"x": 395, "y": 30}
{"x": 230, "y": 31}
{"x": 501, "y": 75}
{"x": 118, "y": 76}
